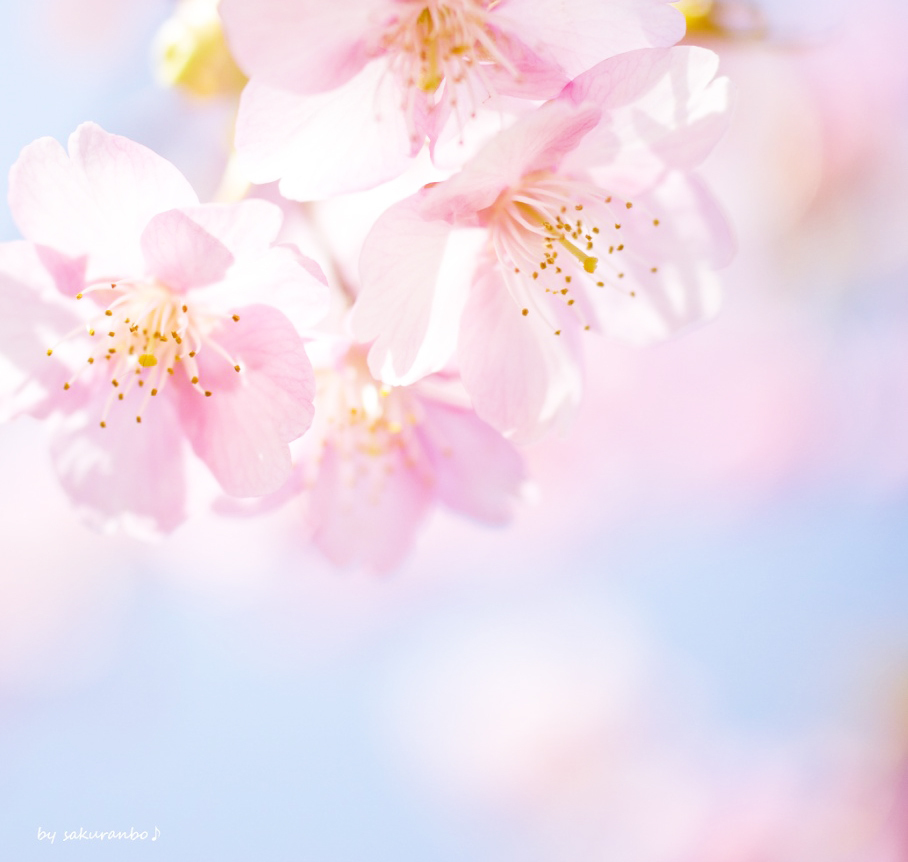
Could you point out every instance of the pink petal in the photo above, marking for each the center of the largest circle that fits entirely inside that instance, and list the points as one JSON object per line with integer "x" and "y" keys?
{"x": 538, "y": 141}
{"x": 349, "y": 139}
{"x": 95, "y": 202}
{"x": 127, "y": 474}
{"x": 660, "y": 107}
{"x": 50, "y": 199}
{"x": 477, "y": 471}
{"x": 68, "y": 273}
{"x": 247, "y": 228}
{"x": 415, "y": 276}
{"x": 366, "y": 511}
{"x": 669, "y": 78}
{"x": 281, "y": 277}
{"x": 299, "y": 45}
{"x": 181, "y": 254}
{"x": 691, "y": 240}
{"x": 241, "y": 432}
{"x": 452, "y": 144}
{"x": 123, "y": 173}
{"x": 32, "y": 320}
{"x": 537, "y": 77}
{"x": 577, "y": 34}
{"x": 701, "y": 224}
{"x": 252, "y": 507}
{"x": 522, "y": 378}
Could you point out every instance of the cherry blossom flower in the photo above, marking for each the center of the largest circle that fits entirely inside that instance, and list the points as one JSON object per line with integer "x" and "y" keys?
{"x": 154, "y": 313}
{"x": 343, "y": 95}
{"x": 582, "y": 216}
{"x": 378, "y": 458}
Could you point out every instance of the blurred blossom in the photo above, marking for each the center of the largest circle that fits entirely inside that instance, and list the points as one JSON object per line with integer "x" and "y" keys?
{"x": 835, "y": 799}
{"x": 725, "y": 419}
{"x": 62, "y": 602}
{"x": 822, "y": 126}
{"x": 191, "y": 53}
{"x": 379, "y": 458}
{"x": 727, "y": 19}
{"x": 563, "y": 726}
{"x": 492, "y": 710}
{"x": 858, "y": 80}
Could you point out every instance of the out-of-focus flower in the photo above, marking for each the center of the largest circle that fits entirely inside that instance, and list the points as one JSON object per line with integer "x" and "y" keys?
{"x": 857, "y": 89}
{"x": 377, "y": 459}
{"x": 342, "y": 96}
{"x": 722, "y": 18}
{"x": 838, "y": 804}
{"x": 168, "y": 337}
{"x": 191, "y": 54}
{"x": 588, "y": 220}
{"x": 814, "y": 169}
{"x": 553, "y": 715}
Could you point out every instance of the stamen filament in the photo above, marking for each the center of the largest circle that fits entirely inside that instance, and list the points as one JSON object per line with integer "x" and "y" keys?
{"x": 589, "y": 263}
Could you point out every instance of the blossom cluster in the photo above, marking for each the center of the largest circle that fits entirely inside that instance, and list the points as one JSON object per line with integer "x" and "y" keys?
{"x": 562, "y": 138}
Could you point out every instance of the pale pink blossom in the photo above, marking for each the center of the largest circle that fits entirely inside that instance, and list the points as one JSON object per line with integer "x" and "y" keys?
{"x": 341, "y": 96}
{"x": 583, "y": 216}
{"x": 378, "y": 459}
{"x": 824, "y": 170}
{"x": 154, "y": 318}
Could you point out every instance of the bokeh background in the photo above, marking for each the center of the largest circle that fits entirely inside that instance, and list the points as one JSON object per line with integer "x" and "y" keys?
{"x": 690, "y": 646}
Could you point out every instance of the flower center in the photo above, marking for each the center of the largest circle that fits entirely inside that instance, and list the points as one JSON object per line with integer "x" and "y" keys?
{"x": 559, "y": 234}
{"x": 439, "y": 49}
{"x": 371, "y": 427}
{"x": 374, "y": 418}
{"x": 145, "y": 336}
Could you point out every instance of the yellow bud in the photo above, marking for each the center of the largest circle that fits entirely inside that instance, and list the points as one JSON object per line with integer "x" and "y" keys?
{"x": 191, "y": 53}
{"x": 722, "y": 18}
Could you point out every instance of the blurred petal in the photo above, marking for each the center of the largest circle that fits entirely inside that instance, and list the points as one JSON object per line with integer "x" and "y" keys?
{"x": 692, "y": 238}
{"x": 367, "y": 511}
{"x": 661, "y": 108}
{"x": 32, "y": 320}
{"x": 477, "y": 471}
{"x": 130, "y": 473}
